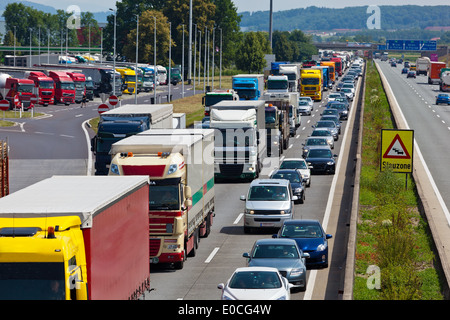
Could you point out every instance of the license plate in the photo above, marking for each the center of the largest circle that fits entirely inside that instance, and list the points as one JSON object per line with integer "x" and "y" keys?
{"x": 266, "y": 224}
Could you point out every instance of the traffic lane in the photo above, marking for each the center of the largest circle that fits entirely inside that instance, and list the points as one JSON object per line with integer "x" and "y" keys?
{"x": 221, "y": 253}
{"x": 430, "y": 131}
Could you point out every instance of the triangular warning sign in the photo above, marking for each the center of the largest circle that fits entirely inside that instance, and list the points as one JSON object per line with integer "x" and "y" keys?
{"x": 397, "y": 150}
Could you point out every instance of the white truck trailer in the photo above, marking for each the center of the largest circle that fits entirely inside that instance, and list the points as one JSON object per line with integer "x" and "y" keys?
{"x": 180, "y": 164}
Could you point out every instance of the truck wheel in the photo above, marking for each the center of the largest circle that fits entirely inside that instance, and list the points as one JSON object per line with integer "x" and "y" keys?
{"x": 180, "y": 264}
{"x": 195, "y": 247}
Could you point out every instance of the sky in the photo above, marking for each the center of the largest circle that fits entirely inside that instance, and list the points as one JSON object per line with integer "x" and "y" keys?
{"x": 249, "y": 5}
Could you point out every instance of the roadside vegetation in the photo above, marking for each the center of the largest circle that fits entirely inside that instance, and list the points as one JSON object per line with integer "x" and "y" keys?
{"x": 393, "y": 238}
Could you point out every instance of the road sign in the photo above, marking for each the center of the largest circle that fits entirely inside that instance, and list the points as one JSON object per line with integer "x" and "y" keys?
{"x": 411, "y": 45}
{"x": 394, "y": 44}
{"x": 113, "y": 100}
{"x": 102, "y": 108}
{"x": 4, "y": 105}
{"x": 34, "y": 98}
{"x": 428, "y": 45}
{"x": 397, "y": 150}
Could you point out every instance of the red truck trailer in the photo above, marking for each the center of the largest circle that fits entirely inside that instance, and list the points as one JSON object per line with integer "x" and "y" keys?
{"x": 64, "y": 87}
{"x": 76, "y": 238}
{"x": 434, "y": 71}
{"x": 338, "y": 65}
{"x": 45, "y": 86}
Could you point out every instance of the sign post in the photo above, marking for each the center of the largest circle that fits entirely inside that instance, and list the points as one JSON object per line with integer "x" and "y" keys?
{"x": 397, "y": 148}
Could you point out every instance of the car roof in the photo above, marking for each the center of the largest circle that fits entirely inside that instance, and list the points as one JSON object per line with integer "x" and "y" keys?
{"x": 244, "y": 269}
{"x": 279, "y": 182}
{"x": 275, "y": 241}
{"x": 299, "y": 221}
{"x": 284, "y": 171}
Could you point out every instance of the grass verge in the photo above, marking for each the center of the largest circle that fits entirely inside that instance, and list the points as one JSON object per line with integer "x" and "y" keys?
{"x": 394, "y": 255}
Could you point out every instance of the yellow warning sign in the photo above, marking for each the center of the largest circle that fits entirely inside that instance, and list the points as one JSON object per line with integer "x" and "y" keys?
{"x": 397, "y": 150}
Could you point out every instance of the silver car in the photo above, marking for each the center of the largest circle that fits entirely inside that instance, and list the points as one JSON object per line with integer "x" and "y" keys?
{"x": 324, "y": 133}
{"x": 283, "y": 254}
{"x": 330, "y": 125}
{"x": 268, "y": 203}
{"x": 313, "y": 143}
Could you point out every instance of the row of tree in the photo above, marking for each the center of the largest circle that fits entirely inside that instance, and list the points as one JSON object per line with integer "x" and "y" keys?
{"x": 217, "y": 18}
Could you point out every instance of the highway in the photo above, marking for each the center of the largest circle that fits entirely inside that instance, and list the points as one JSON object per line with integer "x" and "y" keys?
{"x": 430, "y": 122}
{"x": 57, "y": 145}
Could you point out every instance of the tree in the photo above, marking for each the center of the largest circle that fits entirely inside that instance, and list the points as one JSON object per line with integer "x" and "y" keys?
{"x": 282, "y": 47}
{"x": 146, "y": 39}
{"x": 250, "y": 54}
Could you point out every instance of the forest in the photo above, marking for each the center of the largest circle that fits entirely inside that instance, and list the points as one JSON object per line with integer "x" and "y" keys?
{"x": 326, "y": 19}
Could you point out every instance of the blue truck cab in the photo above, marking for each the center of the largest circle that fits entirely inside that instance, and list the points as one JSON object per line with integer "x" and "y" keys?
{"x": 249, "y": 86}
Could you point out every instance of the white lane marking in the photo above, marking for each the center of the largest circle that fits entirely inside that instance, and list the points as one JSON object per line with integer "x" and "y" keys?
{"x": 88, "y": 142}
{"x": 78, "y": 115}
{"x": 238, "y": 218}
{"x": 211, "y": 256}
{"x": 67, "y": 136}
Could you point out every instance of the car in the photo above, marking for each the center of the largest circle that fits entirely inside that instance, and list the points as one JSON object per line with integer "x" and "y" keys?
{"x": 405, "y": 70}
{"x": 393, "y": 64}
{"x": 330, "y": 112}
{"x": 282, "y": 254}
{"x": 406, "y": 64}
{"x": 324, "y": 133}
{"x": 339, "y": 86}
{"x": 310, "y": 238}
{"x": 332, "y": 96}
{"x": 305, "y": 105}
{"x": 348, "y": 93}
{"x": 321, "y": 160}
{"x": 342, "y": 108}
{"x": 300, "y": 165}
{"x": 330, "y": 125}
{"x": 411, "y": 74}
{"x": 443, "y": 98}
{"x": 333, "y": 118}
{"x": 250, "y": 283}
{"x": 268, "y": 203}
{"x": 313, "y": 143}
{"x": 296, "y": 179}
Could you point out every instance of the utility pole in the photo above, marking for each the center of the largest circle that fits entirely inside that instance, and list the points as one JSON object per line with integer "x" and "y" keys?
{"x": 271, "y": 23}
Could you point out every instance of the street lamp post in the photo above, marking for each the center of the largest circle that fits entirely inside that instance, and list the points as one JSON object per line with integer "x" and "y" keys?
{"x": 220, "y": 68}
{"x": 14, "y": 46}
{"x": 182, "y": 66}
{"x": 195, "y": 54}
{"x": 137, "y": 48}
{"x": 170, "y": 60}
{"x": 154, "y": 62}
{"x": 114, "y": 55}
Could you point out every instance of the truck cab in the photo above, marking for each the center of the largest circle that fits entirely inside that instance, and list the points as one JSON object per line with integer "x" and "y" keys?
{"x": 52, "y": 260}
{"x": 248, "y": 86}
{"x": 45, "y": 86}
{"x": 129, "y": 80}
{"x": 79, "y": 81}
{"x": 311, "y": 84}
{"x": 213, "y": 97}
{"x": 64, "y": 87}
{"x": 279, "y": 83}
{"x": 23, "y": 88}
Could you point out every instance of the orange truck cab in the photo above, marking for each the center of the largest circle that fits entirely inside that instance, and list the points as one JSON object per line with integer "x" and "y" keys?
{"x": 45, "y": 86}
{"x": 22, "y": 88}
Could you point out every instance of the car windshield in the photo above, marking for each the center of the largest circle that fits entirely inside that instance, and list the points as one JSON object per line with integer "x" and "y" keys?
{"x": 275, "y": 251}
{"x": 255, "y": 280}
{"x": 268, "y": 193}
{"x": 326, "y": 124}
{"x": 301, "y": 231}
{"x": 319, "y": 153}
{"x": 316, "y": 142}
{"x": 293, "y": 164}
{"x": 293, "y": 176}
{"x": 321, "y": 133}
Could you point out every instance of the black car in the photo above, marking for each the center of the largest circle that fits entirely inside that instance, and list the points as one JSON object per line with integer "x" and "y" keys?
{"x": 296, "y": 179}
{"x": 321, "y": 160}
{"x": 411, "y": 74}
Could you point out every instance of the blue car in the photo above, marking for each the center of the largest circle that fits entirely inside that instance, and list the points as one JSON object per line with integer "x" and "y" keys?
{"x": 310, "y": 238}
{"x": 443, "y": 98}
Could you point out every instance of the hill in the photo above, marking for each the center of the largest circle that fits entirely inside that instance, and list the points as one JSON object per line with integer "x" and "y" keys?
{"x": 315, "y": 18}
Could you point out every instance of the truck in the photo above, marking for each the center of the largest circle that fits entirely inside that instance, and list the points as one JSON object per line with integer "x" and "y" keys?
{"x": 180, "y": 164}
{"x": 64, "y": 87}
{"x": 277, "y": 83}
{"x": 123, "y": 122}
{"x": 292, "y": 71}
{"x": 311, "y": 83}
{"x": 327, "y": 83}
{"x": 444, "y": 82}
{"x": 162, "y": 75}
{"x": 422, "y": 65}
{"x": 240, "y": 141}
{"x": 215, "y": 96}
{"x": 434, "y": 71}
{"x": 129, "y": 80}
{"x": 79, "y": 80}
{"x": 277, "y": 117}
{"x": 45, "y": 86}
{"x": 275, "y": 67}
{"x": 148, "y": 79}
{"x": 337, "y": 65}
{"x": 90, "y": 88}
{"x": 22, "y": 88}
{"x": 75, "y": 238}
{"x": 248, "y": 86}
{"x": 331, "y": 70}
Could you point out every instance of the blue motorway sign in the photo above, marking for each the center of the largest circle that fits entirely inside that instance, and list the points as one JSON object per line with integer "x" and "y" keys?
{"x": 382, "y": 47}
{"x": 411, "y": 45}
